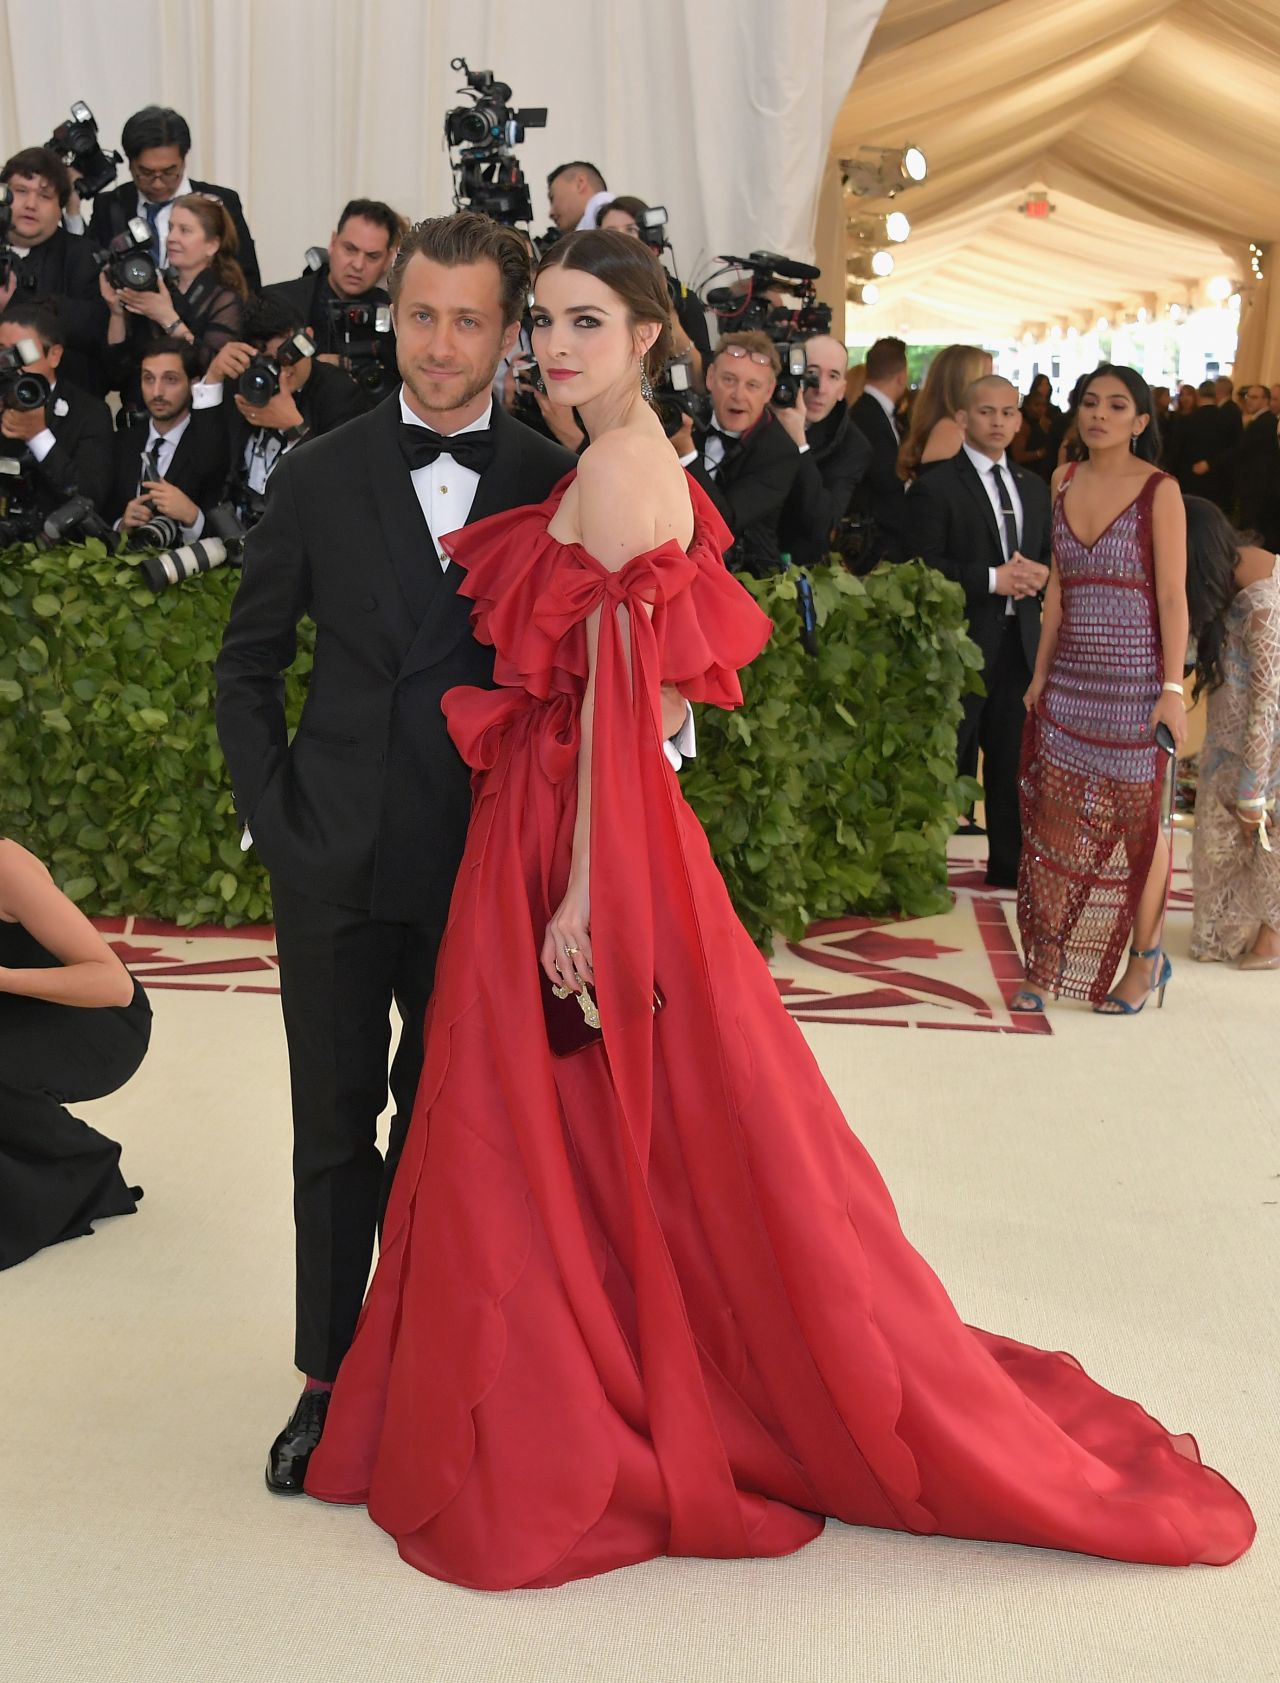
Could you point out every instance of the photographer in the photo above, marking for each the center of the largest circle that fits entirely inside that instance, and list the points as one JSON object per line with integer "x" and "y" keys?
{"x": 172, "y": 461}
{"x": 156, "y": 142}
{"x": 689, "y": 325}
{"x": 575, "y": 193}
{"x": 45, "y": 261}
{"x": 745, "y": 460}
{"x": 834, "y": 455}
{"x": 313, "y": 398}
{"x": 361, "y": 250}
{"x": 200, "y": 298}
{"x": 65, "y": 447}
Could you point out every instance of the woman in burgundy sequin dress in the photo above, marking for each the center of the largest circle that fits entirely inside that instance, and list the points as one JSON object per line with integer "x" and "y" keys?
{"x": 1095, "y": 863}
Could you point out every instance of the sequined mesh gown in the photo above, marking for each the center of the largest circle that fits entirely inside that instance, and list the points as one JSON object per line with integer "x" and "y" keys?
{"x": 1091, "y": 774}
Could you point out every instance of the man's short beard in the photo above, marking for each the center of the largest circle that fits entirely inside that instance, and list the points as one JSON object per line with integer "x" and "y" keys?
{"x": 459, "y": 402}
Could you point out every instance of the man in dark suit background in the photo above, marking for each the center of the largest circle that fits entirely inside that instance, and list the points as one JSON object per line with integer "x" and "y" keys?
{"x": 880, "y": 494}
{"x": 833, "y": 454}
{"x": 745, "y": 460}
{"x": 65, "y": 447}
{"x": 50, "y": 263}
{"x": 156, "y": 141}
{"x": 173, "y": 461}
{"x": 985, "y": 522}
{"x": 361, "y": 821}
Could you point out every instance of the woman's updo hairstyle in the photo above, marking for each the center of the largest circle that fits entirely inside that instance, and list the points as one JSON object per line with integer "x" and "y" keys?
{"x": 629, "y": 268}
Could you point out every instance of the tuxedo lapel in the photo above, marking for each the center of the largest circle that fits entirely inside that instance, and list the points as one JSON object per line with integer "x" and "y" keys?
{"x": 409, "y": 543}
{"x": 972, "y": 482}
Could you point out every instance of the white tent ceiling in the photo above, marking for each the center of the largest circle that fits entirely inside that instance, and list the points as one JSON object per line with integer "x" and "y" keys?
{"x": 1154, "y": 126}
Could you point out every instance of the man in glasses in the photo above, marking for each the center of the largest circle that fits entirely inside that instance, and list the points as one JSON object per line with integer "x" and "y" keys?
{"x": 156, "y": 142}
{"x": 744, "y": 459}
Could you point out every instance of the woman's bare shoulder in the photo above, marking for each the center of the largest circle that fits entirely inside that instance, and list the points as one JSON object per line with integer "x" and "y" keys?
{"x": 944, "y": 440}
{"x": 633, "y": 495}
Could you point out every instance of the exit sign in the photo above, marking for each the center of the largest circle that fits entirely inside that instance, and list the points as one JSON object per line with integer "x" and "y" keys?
{"x": 1037, "y": 206}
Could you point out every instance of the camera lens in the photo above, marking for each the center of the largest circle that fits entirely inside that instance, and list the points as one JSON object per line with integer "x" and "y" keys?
{"x": 258, "y": 384}
{"x": 137, "y": 272}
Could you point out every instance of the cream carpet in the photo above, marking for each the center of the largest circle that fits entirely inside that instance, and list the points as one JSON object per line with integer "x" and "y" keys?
{"x": 1110, "y": 1188}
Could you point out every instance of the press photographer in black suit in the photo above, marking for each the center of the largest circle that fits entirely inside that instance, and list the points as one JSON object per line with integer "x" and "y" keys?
{"x": 361, "y": 821}
{"x": 880, "y": 495}
{"x": 361, "y": 248}
{"x": 985, "y": 522}
{"x": 65, "y": 447}
{"x": 745, "y": 460}
{"x": 314, "y": 398}
{"x": 156, "y": 141}
{"x": 834, "y": 455}
{"x": 171, "y": 460}
{"x": 49, "y": 262}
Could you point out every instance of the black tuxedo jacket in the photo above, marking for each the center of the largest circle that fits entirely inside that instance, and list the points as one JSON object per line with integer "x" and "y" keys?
{"x": 880, "y": 493}
{"x": 199, "y": 465}
{"x": 750, "y": 487}
{"x": 308, "y": 295}
{"x": 328, "y": 400}
{"x": 112, "y": 210}
{"x": 830, "y": 471}
{"x": 951, "y": 524}
{"x": 80, "y": 459}
{"x": 63, "y": 269}
{"x": 369, "y": 805}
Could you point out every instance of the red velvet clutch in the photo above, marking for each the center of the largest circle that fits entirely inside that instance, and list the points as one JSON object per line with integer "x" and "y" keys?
{"x": 573, "y": 1019}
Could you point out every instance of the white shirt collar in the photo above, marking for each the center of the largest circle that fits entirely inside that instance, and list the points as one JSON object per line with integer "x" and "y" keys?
{"x": 410, "y": 419}
{"x": 886, "y": 403}
{"x": 171, "y": 437}
{"x": 588, "y": 217}
{"x": 984, "y": 464}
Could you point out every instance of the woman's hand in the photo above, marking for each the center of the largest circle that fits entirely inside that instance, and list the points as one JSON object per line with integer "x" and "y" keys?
{"x": 110, "y": 297}
{"x": 158, "y": 305}
{"x": 1034, "y": 691}
{"x": 566, "y": 947}
{"x": 1170, "y": 710}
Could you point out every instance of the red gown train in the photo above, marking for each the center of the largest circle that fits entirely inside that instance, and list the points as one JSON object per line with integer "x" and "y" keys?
{"x": 654, "y": 1298}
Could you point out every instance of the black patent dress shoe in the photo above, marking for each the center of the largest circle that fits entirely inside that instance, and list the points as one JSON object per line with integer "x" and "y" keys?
{"x": 287, "y": 1462}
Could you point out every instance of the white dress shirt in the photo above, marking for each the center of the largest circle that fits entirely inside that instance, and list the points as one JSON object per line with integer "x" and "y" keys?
{"x": 444, "y": 489}
{"x": 262, "y": 449}
{"x": 588, "y": 217}
{"x": 76, "y": 224}
{"x": 984, "y": 465}
{"x": 44, "y": 440}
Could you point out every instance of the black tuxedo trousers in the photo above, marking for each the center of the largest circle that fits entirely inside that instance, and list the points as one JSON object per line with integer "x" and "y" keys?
{"x": 362, "y": 819}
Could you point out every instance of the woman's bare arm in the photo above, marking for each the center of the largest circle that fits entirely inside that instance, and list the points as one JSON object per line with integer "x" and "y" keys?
{"x": 90, "y": 973}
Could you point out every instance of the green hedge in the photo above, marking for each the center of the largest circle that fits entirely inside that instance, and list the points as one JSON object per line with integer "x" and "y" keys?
{"x": 832, "y": 790}
{"x": 110, "y": 767}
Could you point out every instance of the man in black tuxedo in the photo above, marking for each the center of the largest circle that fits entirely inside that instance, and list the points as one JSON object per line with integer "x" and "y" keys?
{"x": 314, "y": 398}
{"x": 65, "y": 447}
{"x": 834, "y": 454}
{"x": 745, "y": 460}
{"x": 156, "y": 141}
{"x": 1253, "y": 463}
{"x": 173, "y": 461}
{"x": 361, "y": 820}
{"x": 985, "y": 522}
{"x": 880, "y": 493}
{"x": 47, "y": 262}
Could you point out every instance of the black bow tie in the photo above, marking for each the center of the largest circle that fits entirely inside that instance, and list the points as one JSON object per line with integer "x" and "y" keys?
{"x": 421, "y": 446}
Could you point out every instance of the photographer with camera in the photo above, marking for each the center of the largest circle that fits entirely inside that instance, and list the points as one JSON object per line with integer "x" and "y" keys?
{"x": 156, "y": 142}
{"x": 200, "y": 297}
{"x": 339, "y": 299}
{"x": 834, "y": 455}
{"x": 172, "y": 462}
{"x": 689, "y": 327}
{"x": 745, "y": 460}
{"x": 62, "y": 447}
{"x": 280, "y": 395}
{"x": 575, "y": 192}
{"x": 40, "y": 259}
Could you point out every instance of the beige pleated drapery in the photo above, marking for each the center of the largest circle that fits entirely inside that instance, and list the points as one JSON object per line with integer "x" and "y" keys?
{"x": 1154, "y": 126}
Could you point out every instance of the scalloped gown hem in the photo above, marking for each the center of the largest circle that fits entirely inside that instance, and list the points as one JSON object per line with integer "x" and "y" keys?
{"x": 654, "y": 1298}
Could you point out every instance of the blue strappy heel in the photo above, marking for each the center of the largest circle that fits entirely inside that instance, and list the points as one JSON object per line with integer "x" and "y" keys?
{"x": 1158, "y": 984}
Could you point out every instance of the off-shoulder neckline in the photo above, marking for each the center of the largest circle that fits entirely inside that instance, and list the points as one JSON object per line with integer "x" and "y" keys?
{"x": 556, "y": 497}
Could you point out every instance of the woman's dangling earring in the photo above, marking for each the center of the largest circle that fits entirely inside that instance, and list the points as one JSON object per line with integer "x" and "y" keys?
{"x": 646, "y": 390}
{"x": 539, "y": 384}
{"x": 1133, "y": 440}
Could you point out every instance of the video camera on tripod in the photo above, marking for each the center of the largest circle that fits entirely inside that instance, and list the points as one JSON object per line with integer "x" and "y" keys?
{"x": 758, "y": 305}
{"x": 487, "y": 174}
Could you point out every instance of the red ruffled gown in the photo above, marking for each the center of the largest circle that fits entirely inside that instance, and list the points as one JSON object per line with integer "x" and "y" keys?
{"x": 653, "y": 1298}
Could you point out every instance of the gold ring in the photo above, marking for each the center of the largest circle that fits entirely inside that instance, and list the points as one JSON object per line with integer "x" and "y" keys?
{"x": 570, "y": 950}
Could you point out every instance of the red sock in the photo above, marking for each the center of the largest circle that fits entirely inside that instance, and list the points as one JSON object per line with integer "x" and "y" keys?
{"x": 318, "y": 1384}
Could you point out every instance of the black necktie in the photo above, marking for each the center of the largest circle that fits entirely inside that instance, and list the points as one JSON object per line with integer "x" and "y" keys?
{"x": 150, "y": 464}
{"x": 421, "y": 446}
{"x": 152, "y": 213}
{"x": 1006, "y": 510}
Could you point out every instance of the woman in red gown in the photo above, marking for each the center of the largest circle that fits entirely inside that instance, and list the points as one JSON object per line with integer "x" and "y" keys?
{"x": 652, "y": 1297}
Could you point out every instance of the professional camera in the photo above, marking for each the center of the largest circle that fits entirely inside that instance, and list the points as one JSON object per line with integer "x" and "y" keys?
{"x": 795, "y": 375}
{"x": 76, "y": 518}
{"x": 755, "y": 306}
{"x": 261, "y": 379}
{"x": 76, "y": 143}
{"x": 674, "y": 398}
{"x": 487, "y": 174}
{"x": 361, "y": 331}
{"x": 18, "y": 388}
{"x": 127, "y": 261}
{"x": 224, "y": 543}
